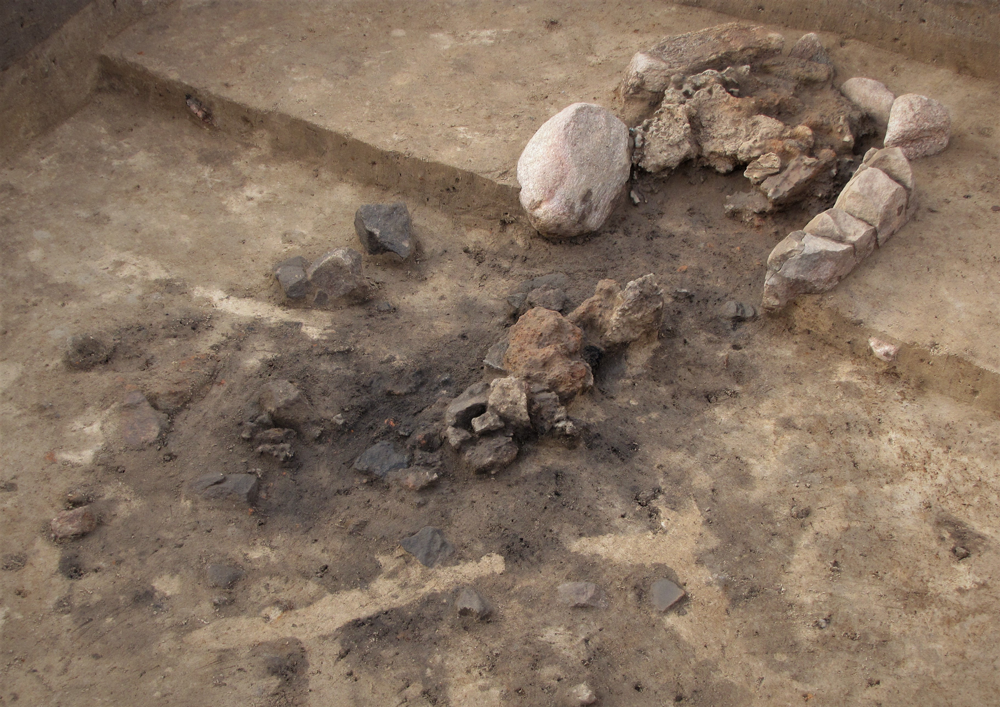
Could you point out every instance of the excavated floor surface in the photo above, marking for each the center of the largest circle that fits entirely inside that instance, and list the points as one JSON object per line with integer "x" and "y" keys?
{"x": 832, "y": 521}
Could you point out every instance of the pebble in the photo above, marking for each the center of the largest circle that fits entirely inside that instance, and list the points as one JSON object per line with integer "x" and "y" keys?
{"x": 429, "y": 546}
{"x": 241, "y": 488}
{"x": 141, "y": 425}
{"x": 582, "y": 695}
{"x": 734, "y": 311}
{"x": 763, "y": 167}
{"x": 86, "y": 351}
{"x": 456, "y": 436}
{"x": 338, "y": 274}
{"x": 665, "y": 594}
{"x": 73, "y": 524}
{"x": 471, "y": 603}
{"x": 491, "y": 454}
{"x": 581, "y": 595}
{"x": 871, "y": 96}
{"x": 918, "y": 125}
{"x": 380, "y": 459}
{"x": 545, "y": 409}
{"x": 883, "y": 350}
{"x": 810, "y": 48}
{"x": 508, "y": 398}
{"x": 285, "y": 404}
{"x": 489, "y": 421}
{"x": 574, "y": 170}
{"x": 291, "y": 275}
{"x": 385, "y": 228}
{"x": 223, "y": 576}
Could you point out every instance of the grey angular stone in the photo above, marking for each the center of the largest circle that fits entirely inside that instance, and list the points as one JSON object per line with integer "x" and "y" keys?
{"x": 429, "y": 546}
{"x": 490, "y": 454}
{"x": 141, "y": 425}
{"x": 665, "y": 594}
{"x": 871, "y": 96}
{"x": 285, "y": 404}
{"x": 291, "y": 275}
{"x": 616, "y": 316}
{"x": 471, "y": 603}
{"x": 494, "y": 357}
{"x": 385, "y": 228}
{"x": 240, "y": 488}
{"x": 86, "y": 351}
{"x": 547, "y": 297}
{"x": 666, "y": 140}
{"x": 380, "y": 459}
{"x": 877, "y": 200}
{"x": 337, "y": 274}
{"x": 918, "y": 125}
{"x": 581, "y": 595}
{"x": 806, "y": 264}
{"x": 471, "y": 403}
{"x": 223, "y": 576}
{"x": 508, "y": 398}
{"x": 573, "y": 171}
{"x": 892, "y": 161}
{"x": 456, "y": 437}
{"x": 489, "y": 421}
{"x": 763, "y": 167}
{"x": 650, "y": 72}
{"x": 73, "y": 524}
{"x": 810, "y": 48}
{"x": 793, "y": 181}
{"x": 840, "y": 226}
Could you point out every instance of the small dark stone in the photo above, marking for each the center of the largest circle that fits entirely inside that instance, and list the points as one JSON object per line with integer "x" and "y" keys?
{"x": 960, "y": 552}
{"x": 429, "y": 546}
{"x": 223, "y": 576}
{"x": 86, "y": 351}
{"x": 385, "y": 228}
{"x": 282, "y": 452}
{"x": 426, "y": 439}
{"x": 380, "y": 459}
{"x": 471, "y": 603}
{"x": 338, "y": 274}
{"x": 664, "y": 594}
{"x": 384, "y": 308}
{"x": 242, "y": 488}
{"x": 221, "y": 601}
{"x": 73, "y": 524}
{"x": 285, "y": 404}
{"x": 292, "y": 277}
{"x": 581, "y": 594}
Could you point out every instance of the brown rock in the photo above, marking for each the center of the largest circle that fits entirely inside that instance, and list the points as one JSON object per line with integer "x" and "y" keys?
{"x": 186, "y": 380}
{"x": 545, "y": 348}
{"x": 73, "y": 524}
{"x": 285, "y": 404}
{"x": 649, "y": 73}
{"x": 490, "y": 454}
{"x": 616, "y": 316}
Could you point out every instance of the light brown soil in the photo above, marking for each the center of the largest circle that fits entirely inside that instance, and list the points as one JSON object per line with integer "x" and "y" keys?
{"x": 832, "y": 524}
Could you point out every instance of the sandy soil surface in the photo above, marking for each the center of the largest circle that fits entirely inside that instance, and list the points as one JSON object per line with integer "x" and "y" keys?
{"x": 810, "y": 504}
{"x": 832, "y": 523}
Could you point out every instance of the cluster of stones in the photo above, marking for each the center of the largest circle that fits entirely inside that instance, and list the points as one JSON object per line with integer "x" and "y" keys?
{"x": 545, "y": 362}
{"x": 711, "y": 96}
{"x": 871, "y": 208}
{"x": 337, "y": 276}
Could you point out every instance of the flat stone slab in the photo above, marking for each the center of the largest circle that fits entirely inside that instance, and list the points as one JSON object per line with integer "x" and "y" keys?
{"x": 428, "y": 545}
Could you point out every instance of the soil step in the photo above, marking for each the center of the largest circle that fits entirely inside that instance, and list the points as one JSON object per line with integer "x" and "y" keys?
{"x": 438, "y": 103}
